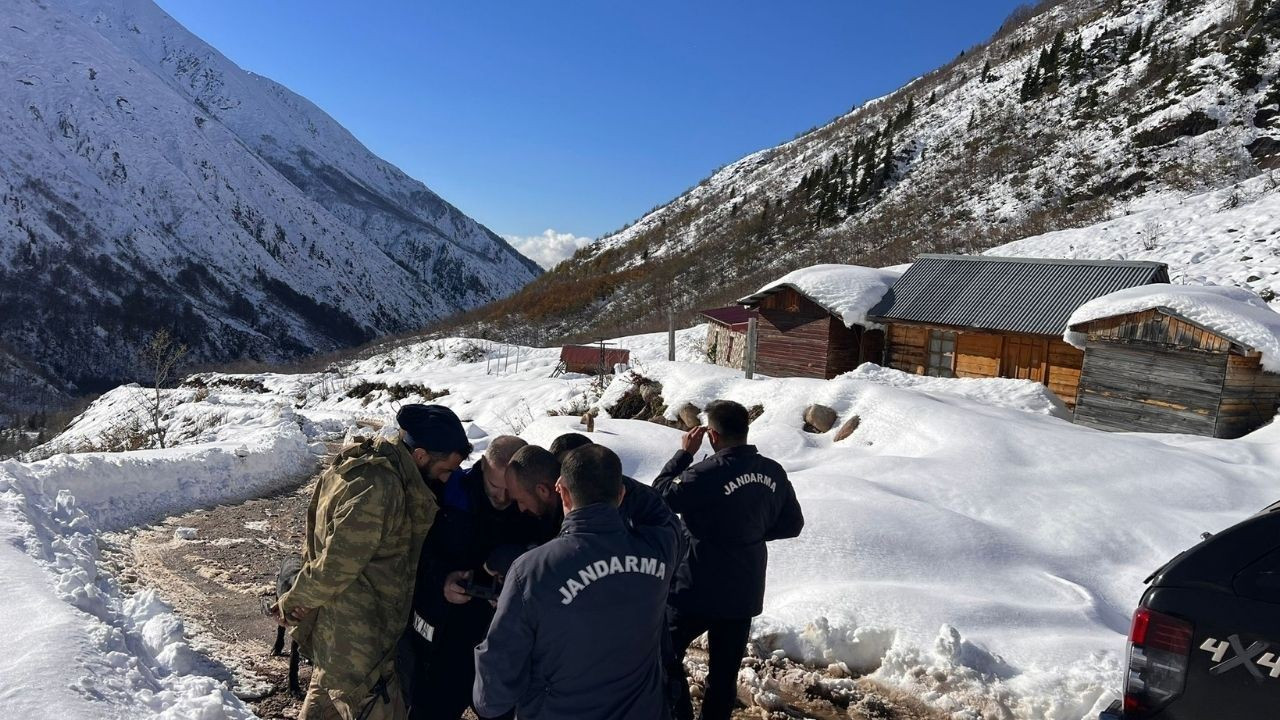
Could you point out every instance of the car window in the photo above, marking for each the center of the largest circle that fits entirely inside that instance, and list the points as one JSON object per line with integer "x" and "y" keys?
{"x": 1261, "y": 580}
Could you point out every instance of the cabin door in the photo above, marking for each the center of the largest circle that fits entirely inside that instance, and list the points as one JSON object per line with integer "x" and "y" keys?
{"x": 1024, "y": 358}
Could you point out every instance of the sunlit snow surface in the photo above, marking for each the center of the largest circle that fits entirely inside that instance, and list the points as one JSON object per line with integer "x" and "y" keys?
{"x": 966, "y": 542}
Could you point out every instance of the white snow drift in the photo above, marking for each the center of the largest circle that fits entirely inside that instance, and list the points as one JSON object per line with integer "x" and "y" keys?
{"x": 73, "y": 646}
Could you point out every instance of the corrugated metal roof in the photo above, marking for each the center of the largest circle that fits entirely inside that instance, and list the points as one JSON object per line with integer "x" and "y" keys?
{"x": 734, "y": 317}
{"x": 1024, "y": 295}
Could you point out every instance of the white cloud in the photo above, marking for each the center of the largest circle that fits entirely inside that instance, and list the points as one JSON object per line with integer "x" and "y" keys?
{"x": 549, "y": 248}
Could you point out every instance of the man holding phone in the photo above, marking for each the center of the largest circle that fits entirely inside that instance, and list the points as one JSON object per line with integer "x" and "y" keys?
{"x": 732, "y": 503}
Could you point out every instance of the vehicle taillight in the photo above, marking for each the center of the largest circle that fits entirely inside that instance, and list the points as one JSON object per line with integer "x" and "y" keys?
{"x": 1159, "y": 651}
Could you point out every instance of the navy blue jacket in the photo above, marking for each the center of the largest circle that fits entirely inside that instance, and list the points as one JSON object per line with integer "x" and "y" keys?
{"x": 579, "y": 624}
{"x": 732, "y": 503}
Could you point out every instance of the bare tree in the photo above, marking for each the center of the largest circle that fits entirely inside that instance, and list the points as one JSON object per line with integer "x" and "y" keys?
{"x": 161, "y": 356}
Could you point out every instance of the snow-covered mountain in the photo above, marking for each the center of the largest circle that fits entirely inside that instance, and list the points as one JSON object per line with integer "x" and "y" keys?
{"x": 146, "y": 181}
{"x": 1074, "y": 113}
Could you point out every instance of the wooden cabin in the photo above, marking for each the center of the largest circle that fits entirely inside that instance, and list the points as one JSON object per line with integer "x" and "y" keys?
{"x": 727, "y": 334}
{"x": 798, "y": 337}
{"x": 590, "y": 359}
{"x": 987, "y": 317}
{"x": 1157, "y": 371}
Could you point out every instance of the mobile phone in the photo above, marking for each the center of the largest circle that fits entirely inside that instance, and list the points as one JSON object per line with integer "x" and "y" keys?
{"x": 481, "y": 586}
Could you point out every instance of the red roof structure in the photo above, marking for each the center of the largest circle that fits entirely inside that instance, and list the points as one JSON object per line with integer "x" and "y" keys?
{"x": 733, "y": 317}
{"x": 588, "y": 359}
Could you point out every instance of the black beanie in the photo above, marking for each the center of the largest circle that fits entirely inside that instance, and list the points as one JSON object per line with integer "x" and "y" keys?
{"x": 433, "y": 428}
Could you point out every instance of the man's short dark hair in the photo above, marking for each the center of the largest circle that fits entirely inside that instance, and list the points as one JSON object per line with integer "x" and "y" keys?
{"x": 592, "y": 474}
{"x": 534, "y": 466}
{"x": 566, "y": 442}
{"x": 729, "y": 419}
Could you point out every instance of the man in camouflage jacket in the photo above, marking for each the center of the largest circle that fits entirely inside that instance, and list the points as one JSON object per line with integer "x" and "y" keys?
{"x": 366, "y": 523}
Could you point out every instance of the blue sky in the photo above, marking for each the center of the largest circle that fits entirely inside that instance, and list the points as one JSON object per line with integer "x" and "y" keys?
{"x": 565, "y": 119}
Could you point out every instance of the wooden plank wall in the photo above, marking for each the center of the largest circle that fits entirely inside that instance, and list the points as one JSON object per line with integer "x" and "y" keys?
{"x": 793, "y": 336}
{"x": 978, "y": 355}
{"x": 1065, "y": 363}
{"x": 1249, "y": 397}
{"x": 1154, "y": 326}
{"x": 1150, "y": 388}
{"x": 843, "y": 346}
{"x": 908, "y": 348}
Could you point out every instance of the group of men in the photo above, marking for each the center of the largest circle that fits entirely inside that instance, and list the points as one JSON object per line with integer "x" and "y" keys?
{"x": 538, "y": 583}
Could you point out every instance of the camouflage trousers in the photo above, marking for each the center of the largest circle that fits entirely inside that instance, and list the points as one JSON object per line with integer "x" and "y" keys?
{"x": 319, "y": 705}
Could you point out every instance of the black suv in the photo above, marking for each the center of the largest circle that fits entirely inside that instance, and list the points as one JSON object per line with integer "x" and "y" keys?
{"x": 1205, "y": 643}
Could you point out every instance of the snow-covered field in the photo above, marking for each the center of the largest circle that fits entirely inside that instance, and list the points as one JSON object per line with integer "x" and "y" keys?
{"x": 966, "y": 542}
{"x": 1224, "y": 237}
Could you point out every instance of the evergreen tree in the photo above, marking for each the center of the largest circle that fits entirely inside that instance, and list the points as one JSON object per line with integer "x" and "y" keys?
{"x": 1055, "y": 50}
{"x": 1134, "y": 46}
{"x": 1030, "y": 85}
{"x": 986, "y": 72}
{"x": 1075, "y": 60}
{"x": 888, "y": 159}
{"x": 1248, "y": 63}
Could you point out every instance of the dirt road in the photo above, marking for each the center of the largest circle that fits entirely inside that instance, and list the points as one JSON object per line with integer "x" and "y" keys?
{"x": 216, "y": 567}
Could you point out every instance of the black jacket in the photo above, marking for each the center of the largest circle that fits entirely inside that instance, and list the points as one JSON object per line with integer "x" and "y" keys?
{"x": 466, "y": 530}
{"x": 732, "y": 503}
{"x": 579, "y": 623}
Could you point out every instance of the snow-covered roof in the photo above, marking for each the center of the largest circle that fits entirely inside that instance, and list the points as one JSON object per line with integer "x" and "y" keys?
{"x": 1232, "y": 312}
{"x": 847, "y": 291}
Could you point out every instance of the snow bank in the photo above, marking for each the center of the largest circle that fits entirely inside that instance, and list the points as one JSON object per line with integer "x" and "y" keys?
{"x": 118, "y": 490}
{"x": 848, "y": 291}
{"x": 1000, "y": 392}
{"x": 1233, "y": 312}
{"x": 73, "y": 645}
{"x": 973, "y": 507}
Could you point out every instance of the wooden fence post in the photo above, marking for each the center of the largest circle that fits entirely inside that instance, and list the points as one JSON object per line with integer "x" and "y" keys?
{"x": 749, "y": 358}
{"x": 671, "y": 335}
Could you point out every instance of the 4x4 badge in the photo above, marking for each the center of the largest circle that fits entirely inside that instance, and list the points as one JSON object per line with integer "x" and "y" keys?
{"x": 1244, "y": 657}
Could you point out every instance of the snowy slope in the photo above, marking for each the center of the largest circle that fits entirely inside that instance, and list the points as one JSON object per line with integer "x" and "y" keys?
{"x": 967, "y": 157}
{"x": 965, "y": 543}
{"x": 1224, "y": 237}
{"x": 147, "y": 182}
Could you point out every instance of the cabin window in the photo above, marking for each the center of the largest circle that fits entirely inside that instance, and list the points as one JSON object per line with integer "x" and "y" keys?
{"x": 942, "y": 354}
